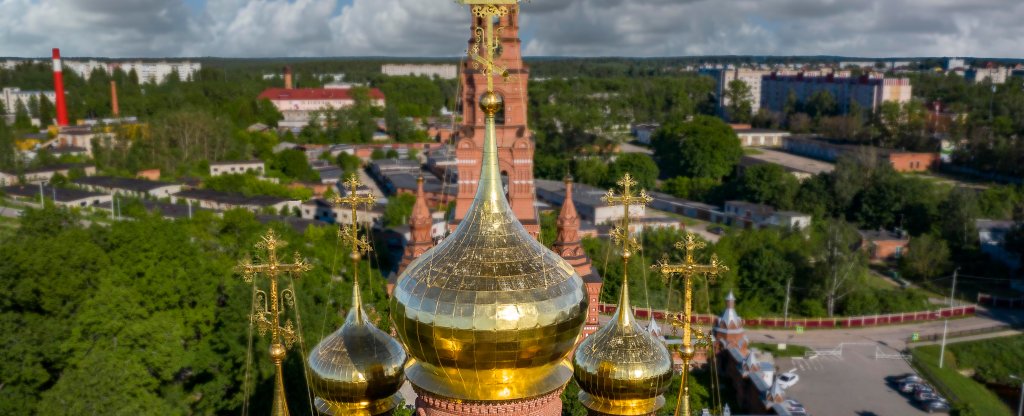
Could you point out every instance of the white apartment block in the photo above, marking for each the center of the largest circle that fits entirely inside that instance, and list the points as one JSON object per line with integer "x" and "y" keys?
{"x": 869, "y": 93}
{"x": 11, "y": 97}
{"x": 723, "y": 76}
{"x": 442, "y": 71}
{"x": 155, "y": 72}
{"x": 996, "y": 75}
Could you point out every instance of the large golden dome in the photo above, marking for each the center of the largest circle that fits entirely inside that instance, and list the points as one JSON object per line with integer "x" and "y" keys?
{"x": 622, "y": 369}
{"x": 358, "y": 369}
{"x": 489, "y": 313}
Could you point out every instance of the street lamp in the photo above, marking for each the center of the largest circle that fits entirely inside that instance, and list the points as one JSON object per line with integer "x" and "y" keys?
{"x": 1020, "y": 406}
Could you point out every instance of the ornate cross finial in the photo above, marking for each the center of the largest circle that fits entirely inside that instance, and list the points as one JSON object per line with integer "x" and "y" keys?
{"x": 271, "y": 304}
{"x": 687, "y": 270}
{"x": 350, "y": 232}
{"x": 621, "y": 234}
{"x": 485, "y": 50}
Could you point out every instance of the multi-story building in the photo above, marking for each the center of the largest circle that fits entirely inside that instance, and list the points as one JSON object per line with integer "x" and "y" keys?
{"x": 723, "y": 76}
{"x": 13, "y": 97}
{"x": 995, "y": 74}
{"x": 298, "y": 104}
{"x": 155, "y": 72}
{"x": 869, "y": 93}
{"x": 442, "y": 71}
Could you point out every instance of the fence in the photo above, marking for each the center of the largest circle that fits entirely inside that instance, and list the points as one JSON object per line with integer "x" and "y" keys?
{"x": 816, "y": 323}
{"x": 1000, "y": 302}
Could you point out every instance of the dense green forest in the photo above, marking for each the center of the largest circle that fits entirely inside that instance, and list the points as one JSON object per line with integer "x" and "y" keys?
{"x": 148, "y": 317}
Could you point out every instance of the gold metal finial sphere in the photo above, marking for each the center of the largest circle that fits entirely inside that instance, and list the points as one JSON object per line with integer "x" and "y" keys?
{"x": 277, "y": 352}
{"x": 491, "y": 102}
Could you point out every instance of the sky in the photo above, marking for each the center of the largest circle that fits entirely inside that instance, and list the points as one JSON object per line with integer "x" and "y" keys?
{"x": 425, "y": 28}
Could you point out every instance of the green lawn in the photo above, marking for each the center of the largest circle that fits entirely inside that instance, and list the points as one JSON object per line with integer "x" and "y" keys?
{"x": 790, "y": 351}
{"x": 955, "y": 386}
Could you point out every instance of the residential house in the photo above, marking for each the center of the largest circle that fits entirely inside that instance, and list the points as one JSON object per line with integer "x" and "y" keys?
{"x": 223, "y": 201}
{"x": 884, "y": 245}
{"x": 139, "y": 188}
{"x": 44, "y": 174}
{"x": 65, "y": 197}
{"x": 237, "y": 167}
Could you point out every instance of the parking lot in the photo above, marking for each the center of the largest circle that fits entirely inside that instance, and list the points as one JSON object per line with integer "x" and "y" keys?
{"x": 852, "y": 382}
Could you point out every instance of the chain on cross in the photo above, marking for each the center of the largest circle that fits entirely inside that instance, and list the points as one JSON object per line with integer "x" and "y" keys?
{"x": 350, "y": 232}
{"x": 272, "y": 303}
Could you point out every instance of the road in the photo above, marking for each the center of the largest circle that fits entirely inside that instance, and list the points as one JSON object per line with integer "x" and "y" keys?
{"x": 893, "y": 336}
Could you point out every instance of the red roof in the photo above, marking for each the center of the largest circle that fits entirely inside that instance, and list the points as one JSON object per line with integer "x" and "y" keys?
{"x": 315, "y": 94}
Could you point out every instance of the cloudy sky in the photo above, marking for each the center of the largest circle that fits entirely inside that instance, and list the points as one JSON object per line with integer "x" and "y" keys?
{"x": 304, "y": 28}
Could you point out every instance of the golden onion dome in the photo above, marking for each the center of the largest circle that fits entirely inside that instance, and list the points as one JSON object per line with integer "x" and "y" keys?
{"x": 622, "y": 369}
{"x": 489, "y": 314}
{"x": 358, "y": 369}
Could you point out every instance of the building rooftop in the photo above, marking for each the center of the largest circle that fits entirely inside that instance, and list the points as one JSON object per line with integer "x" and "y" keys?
{"x": 167, "y": 210}
{"x": 315, "y": 94}
{"x": 230, "y": 198}
{"x": 884, "y": 235}
{"x": 57, "y": 167}
{"x": 130, "y": 184}
{"x": 582, "y": 194}
{"x": 49, "y": 192}
{"x": 236, "y": 162}
{"x": 68, "y": 150}
{"x": 407, "y": 182}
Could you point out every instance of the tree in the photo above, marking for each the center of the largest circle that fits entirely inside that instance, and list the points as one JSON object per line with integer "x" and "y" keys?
{"x": 640, "y": 166}
{"x": 398, "y": 209}
{"x": 839, "y": 264}
{"x": 821, "y": 104}
{"x": 46, "y": 111}
{"x": 293, "y": 164}
{"x": 22, "y": 120}
{"x": 689, "y": 188}
{"x": 769, "y": 184}
{"x": 591, "y": 171}
{"x": 705, "y": 147}
{"x": 378, "y": 154}
{"x": 738, "y": 96}
{"x": 927, "y": 257}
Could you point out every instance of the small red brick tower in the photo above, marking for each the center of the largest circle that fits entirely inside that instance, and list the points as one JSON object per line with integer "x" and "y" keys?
{"x": 515, "y": 144}
{"x": 567, "y": 245}
{"x": 728, "y": 331}
{"x": 420, "y": 240}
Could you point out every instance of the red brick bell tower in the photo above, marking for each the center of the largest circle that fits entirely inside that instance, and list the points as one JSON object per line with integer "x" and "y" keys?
{"x": 515, "y": 143}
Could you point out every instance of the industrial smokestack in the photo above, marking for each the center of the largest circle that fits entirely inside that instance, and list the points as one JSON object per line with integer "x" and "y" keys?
{"x": 287, "y": 77}
{"x": 58, "y": 89}
{"x": 113, "y": 99}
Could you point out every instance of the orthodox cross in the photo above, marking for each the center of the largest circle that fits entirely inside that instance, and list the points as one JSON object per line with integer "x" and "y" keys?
{"x": 350, "y": 232}
{"x": 267, "y": 311}
{"x": 485, "y": 50}
{"x": 688, "y": 270}
{"x": 621, "y": 234}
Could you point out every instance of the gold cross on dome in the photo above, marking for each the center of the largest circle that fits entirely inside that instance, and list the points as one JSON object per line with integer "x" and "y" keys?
{"x": 687, "y": 270}
{"x": 621, "y": 235}
{"x": 485, "y": 50}
{"x": 350, "y": 232}
{"x": 272, "y": 303}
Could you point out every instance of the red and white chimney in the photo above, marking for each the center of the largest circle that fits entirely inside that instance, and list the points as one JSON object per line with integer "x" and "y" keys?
{"x": 58, "y": 89}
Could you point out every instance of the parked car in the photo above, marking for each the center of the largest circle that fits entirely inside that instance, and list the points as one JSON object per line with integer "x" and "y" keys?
{"x": 910, "y": 378}
{"x": 788, "y": 379}
{"x": 924, "y": 396}
{"x": 910, "y": 387}
{"x": 933, "y": 406}
{"x": 716, "y": 230}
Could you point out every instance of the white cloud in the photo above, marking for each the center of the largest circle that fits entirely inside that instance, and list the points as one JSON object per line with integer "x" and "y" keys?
{"x": 551, "y": 27}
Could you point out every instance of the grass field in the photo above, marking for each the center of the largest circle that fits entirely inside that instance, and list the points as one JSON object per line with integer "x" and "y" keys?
{"x": 955, "y": 386}
{"x": 790, "y": 351}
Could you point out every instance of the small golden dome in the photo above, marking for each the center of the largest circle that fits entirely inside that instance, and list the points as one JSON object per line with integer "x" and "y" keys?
{"x": 489, "y": 314}
{"x": 358, "y": 369}
{"x": 622, "y": 369}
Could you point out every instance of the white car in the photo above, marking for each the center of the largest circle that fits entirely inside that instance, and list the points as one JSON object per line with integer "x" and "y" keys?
{"x": 788, "y": 379}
